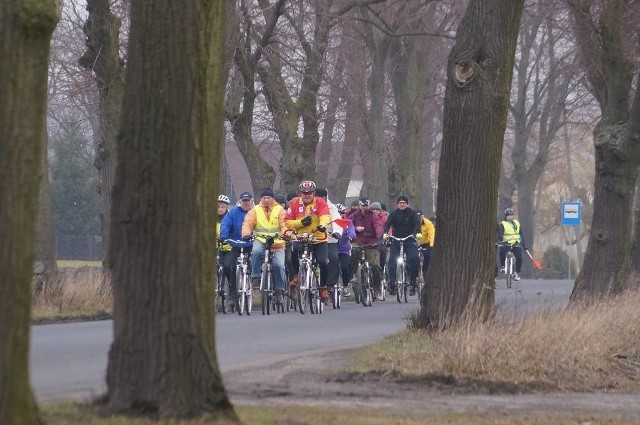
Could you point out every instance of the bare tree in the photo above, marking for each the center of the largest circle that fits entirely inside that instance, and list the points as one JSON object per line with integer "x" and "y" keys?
{"x": 102, "y": 56}
{"x": 607, "y": 34}
{"x": 162, "y": 254}
{"x": 25, "y": 33}
{"x": 544, "y": 77}
{"x": 476, "y": 102}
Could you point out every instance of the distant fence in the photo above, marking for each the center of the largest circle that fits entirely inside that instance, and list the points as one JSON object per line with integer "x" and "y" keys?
{"x": 79, "y": 247}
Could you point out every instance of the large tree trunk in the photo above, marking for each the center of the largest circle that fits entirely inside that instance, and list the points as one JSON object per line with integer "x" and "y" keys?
{"x": 162, "y": 255}
{"x": 460, "y": 283}
{"x": 102, "y": 29}
{"x": 25, "y": 33}
{"x": 610, "y": 68}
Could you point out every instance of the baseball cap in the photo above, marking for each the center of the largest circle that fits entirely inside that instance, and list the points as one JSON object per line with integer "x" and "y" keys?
{"x": 245, "y": 196}
{"x": 364, "y": 201}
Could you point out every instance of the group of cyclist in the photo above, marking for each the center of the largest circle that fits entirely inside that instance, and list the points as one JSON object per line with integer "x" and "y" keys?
{"x": 335, "y": 230}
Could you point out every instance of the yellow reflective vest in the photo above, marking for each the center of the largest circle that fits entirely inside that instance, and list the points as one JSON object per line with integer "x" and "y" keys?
{"x": 267, "y": 226}
{"x": 511, "y": 233}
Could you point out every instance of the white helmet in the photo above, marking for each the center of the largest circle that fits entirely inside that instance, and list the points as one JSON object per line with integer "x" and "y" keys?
{"x": 341, "y": 208}
{"x": 224, "y": 198}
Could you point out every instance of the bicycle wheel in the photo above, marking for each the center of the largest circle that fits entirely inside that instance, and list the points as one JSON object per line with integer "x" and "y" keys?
{"x": 314, "y": 295}
{"x": 303, "y": 290}
{"x": 365, "y": 283}
{"x": 221, "y": 295}
{"x": 400, "y": 283}
{"x": 337, "y": 295}
{"x": 265, "y": 290}
{"x": 420, "y": 285}
{"x": 242, "y": 294}
{"x": 508, "y": 269}
{"x": 405, "y": 287}
{"x": 248, "y": 297}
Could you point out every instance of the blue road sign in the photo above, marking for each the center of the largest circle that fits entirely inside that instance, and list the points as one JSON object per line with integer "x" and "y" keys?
{"x": 571, "y": 213}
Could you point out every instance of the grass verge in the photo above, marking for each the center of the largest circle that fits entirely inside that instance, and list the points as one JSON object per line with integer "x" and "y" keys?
{"x": 70, "y": 414}
{"x": 583, "y": 348}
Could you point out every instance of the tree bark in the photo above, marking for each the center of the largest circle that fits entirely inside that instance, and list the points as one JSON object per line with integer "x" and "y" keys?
{"x": 298, "y": 153}
{"x": 45, "y": 266}
{"x": 25, "y": 33}
{"x": 102, "y": 56}
{"x": 376, "y": 187}
{"x": 408, "y": 146}
{"x": 608, "y": 61}
{"x": 162, "y": 254}
{"x": 460, "y": 282}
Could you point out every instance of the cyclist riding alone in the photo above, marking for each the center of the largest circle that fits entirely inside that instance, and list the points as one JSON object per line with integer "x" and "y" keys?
{"x": 231, "y": 228}
{"x": 263, "y": 221}
{"x": 404, "y": 221}
{"x": 510, "y": 237}
{"x": 309, "y": 214}
{"x": 368, "y": 232}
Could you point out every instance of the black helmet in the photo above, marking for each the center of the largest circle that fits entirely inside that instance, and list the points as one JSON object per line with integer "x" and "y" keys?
{"x": 508, "y": 211}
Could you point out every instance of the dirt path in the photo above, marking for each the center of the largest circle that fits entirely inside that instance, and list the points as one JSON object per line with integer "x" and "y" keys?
{"x": 322, "y": 381}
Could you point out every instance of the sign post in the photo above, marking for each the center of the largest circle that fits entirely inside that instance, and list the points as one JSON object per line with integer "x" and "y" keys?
{"x": 571, "y": 213}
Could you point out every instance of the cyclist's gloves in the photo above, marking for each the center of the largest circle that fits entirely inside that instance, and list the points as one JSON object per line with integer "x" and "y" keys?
{"x": 246, "y": 237}
{"x": 306, "y": 221}
{"x": 336, "y": 235}
{"x": 418, "y": 236}
{"x": 385, "y": 236}
{"x": 320, "y": 228}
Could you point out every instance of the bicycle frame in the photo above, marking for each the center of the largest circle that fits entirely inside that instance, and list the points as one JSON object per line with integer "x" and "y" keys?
{"x": 308, "y": 284}
{"x": 365, "y": 276}
{"x": 243, "y": 281}
{"x": 401, "y": 269}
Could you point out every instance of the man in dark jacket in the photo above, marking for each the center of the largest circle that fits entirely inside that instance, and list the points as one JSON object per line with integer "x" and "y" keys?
{"x": 404, "y": 222}
{"x": 368, "y": 231}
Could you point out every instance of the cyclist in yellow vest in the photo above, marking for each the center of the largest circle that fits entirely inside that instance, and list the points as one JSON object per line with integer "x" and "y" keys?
{"x": 510, "y": 233}
{"x": 264, "y": 220}
{"x": 427, "y": 238}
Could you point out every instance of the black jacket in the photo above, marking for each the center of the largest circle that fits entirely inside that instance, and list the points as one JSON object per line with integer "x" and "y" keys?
{"x": 404, "y": 223}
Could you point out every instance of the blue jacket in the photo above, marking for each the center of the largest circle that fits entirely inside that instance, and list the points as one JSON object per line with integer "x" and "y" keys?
{"x": 231, "y": 226}
{"x": 348, "y": 234}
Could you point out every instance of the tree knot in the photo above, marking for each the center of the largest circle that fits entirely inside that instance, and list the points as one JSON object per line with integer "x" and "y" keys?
{"x": 464, "y": 72}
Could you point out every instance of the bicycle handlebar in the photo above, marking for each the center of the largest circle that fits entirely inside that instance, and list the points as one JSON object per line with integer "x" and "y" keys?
{"x": 239, "y": 243}
{"x": 401, "y": 239}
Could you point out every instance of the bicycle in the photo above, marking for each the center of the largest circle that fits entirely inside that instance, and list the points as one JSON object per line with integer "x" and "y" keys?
{"x": 243, "y": 277}
{"x": 308, "y": 279}
{"x": 336, "y": 295}
{"x": 266, "y": 281}
{"x": 422, "y": 279}
{"x": 402, "y": 275}
{"x": 222, "y": 285}
{"x": 364, "y": 286}
{"x": 509, "y": 262}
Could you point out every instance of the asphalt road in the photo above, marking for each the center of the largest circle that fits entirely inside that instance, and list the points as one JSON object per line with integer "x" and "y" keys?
{"x": 68, "y": 361}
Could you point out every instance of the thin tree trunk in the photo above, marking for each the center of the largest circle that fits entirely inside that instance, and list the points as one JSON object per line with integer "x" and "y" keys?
{"x": 102, "y": 56}
{"x": 45, "y": 267}
{"x": 163, "y": 359}
{"x": 475, "y": 114}
{"x": 25, "y": 33}
{"x": 572, "y": 189}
